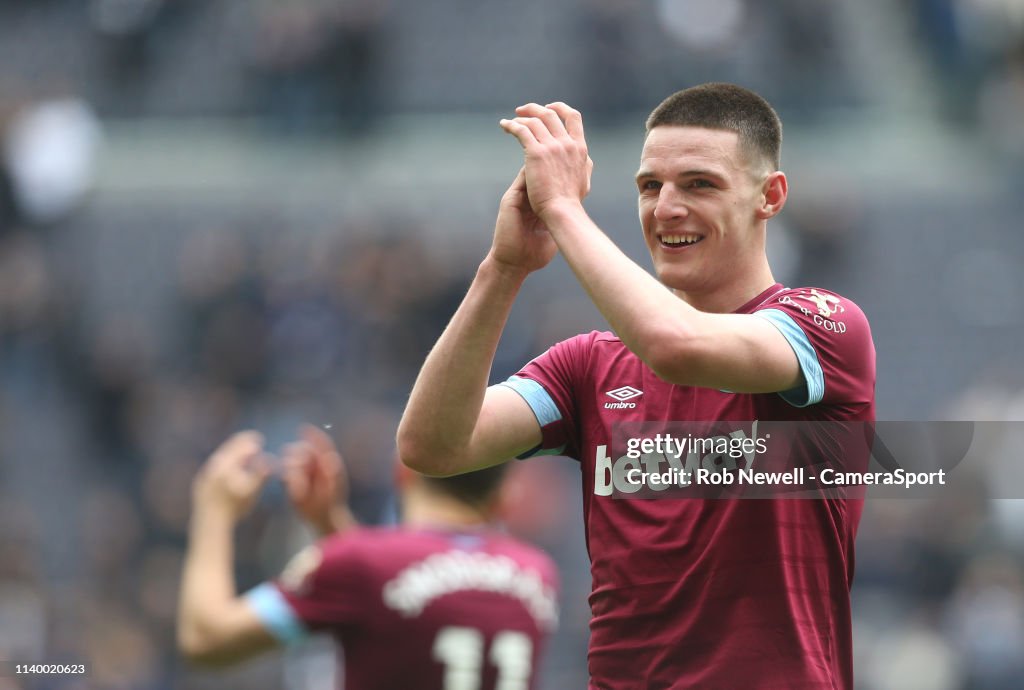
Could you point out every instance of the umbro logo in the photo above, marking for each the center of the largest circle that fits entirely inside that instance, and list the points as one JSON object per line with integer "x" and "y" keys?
{"x": 622, "y": 395}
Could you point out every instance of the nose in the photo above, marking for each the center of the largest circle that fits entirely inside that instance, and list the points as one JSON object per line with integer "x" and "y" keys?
{"x": 670, "y": 204}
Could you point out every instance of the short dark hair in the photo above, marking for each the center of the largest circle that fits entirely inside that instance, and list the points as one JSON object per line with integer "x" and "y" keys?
{"x": 473, "y": 488}
{"x": 725, "y": 106}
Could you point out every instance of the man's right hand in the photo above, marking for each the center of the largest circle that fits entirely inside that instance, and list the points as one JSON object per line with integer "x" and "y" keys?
{"x": 521, "y": 242}
{"x": 233, "y": 476}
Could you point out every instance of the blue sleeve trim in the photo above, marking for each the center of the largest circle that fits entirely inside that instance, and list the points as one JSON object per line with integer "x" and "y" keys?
{"x": 276, "y": 613}
{"x": 544, "y": 408}
{"x": 813, "y": 389}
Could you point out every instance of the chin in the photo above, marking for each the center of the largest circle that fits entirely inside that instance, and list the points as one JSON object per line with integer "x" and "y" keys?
{"x": 684, "y": 279}
{"x": 676, "y": 280}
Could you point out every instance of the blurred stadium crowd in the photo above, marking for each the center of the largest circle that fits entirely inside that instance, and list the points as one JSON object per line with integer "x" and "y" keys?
{"x": 144, "y": 316}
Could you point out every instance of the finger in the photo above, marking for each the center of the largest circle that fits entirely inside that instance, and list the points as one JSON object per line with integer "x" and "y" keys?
{"x": 324, "y": 484}
{"x": 538, "y": 127}
{"x": 517, "y": 189}
{"x": 251, "y": 477}
{"x": 294, "y": 466}
{"x": 261, "y": 466}
{"x": 260, "y": 463}
{"x": 294, "y": 469}
{"x": 325, "y": 453}
{"x": 296, "y": 483}
{"x": 296, "y": 453}
{"x": 527, "y": 130}
{"x": 519, "y": 131}
{"x": 573, "y": 118}
{"x": 550, "y": 118}
{"x": 321, "y": 474}
{"x": 238, "y": 448}
{"x": 318, "y": 439}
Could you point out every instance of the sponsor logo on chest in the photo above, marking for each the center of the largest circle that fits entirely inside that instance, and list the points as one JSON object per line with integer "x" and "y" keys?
{"x": 680, "y": 461}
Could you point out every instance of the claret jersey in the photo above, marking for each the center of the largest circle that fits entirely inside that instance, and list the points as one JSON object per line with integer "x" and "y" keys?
{"x": 712, "y": 594}
{"x": 430, "y": 609}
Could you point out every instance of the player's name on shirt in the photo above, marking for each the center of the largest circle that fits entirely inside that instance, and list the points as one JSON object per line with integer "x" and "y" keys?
{"x": 423, "y": 581}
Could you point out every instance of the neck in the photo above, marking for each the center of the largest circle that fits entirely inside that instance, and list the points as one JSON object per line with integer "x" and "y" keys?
{"x": 423, "y": 508}
{"x": 725, "y": 300}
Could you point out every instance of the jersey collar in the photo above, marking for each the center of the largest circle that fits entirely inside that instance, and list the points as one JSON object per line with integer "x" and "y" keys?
{"x": 760, "y": 299}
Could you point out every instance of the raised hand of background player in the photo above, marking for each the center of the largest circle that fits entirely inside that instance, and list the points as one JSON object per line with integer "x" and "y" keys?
{"x": 521, "y": 242}
{"x": 558, "y": 166}
{"x": 316, "y": 481}
{"x": 233, "y": 475}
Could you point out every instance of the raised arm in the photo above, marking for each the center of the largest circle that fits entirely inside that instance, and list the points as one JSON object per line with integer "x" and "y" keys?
{"x": 741, "y": 353}
{"x": 215, "y": 626}
{"x": 453, "y": 422}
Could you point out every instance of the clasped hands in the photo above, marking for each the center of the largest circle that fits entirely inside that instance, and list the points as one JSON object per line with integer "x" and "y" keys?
{"x": 557, "y": 166}
{"x": 311, "y": 468}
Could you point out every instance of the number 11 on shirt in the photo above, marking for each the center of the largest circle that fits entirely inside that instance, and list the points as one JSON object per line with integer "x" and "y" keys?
{"x": 461, "y": 650}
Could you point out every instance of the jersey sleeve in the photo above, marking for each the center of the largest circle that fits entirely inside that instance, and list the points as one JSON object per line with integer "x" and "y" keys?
{"x": 324, "y": 586}
{"x": 832, "y": 341}
{"x": 548, "y": 383}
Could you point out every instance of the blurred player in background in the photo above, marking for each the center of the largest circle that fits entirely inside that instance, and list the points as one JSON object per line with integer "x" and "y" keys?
{"x": 751, "y": 594}
{"x": 444, "y": 602}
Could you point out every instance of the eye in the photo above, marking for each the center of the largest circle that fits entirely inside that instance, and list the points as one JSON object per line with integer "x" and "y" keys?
{"x": 701, "y": 183}
{"x": 648, "y": 185}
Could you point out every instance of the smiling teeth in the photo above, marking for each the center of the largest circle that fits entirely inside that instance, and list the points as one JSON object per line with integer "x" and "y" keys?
{"x": 679, "y": 239}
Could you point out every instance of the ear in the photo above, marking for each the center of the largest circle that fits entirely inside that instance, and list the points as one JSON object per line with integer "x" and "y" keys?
{"x": 774, "y": 192}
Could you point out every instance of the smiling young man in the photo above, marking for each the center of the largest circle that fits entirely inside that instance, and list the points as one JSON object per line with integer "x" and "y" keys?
{"x": 686, "y": 593}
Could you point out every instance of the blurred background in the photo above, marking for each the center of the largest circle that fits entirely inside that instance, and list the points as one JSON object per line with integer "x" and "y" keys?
{"x": 218, "y": 214}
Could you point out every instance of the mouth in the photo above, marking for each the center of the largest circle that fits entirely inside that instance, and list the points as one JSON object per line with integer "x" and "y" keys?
{"x": 674, "y": 241}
